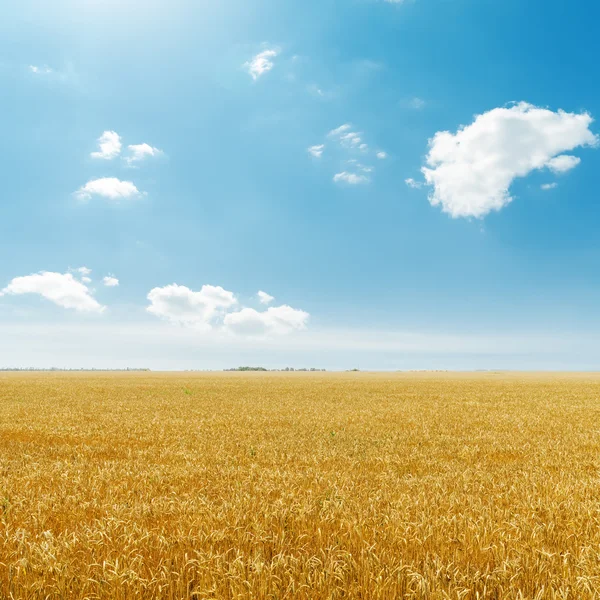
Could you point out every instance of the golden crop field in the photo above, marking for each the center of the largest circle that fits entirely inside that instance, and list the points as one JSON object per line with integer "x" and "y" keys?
{"x": 308, "y": 486}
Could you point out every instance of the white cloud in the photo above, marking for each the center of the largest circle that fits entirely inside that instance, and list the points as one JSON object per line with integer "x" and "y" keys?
{"x": 410, "y": 182}
{"x": 350, "y": 139}
{"x": 179, "y": 304}
{"x": 350, "y": 178}
{"x": 140, "y": 152}
{"x": 563, "y": 163}
{"x": 261, "y": 63}
{"x": 41, "y": 70}
{"x": 86, "y": 279}
{"x": 61, "y": 288}
{"x": 317, "y": 151}
{"x": 83, "y": 270}
{"x": 381, "y": 155}
{"x": 341, "y": 129}
{"x": 108, "y": 187}
{"x": 471, "y": 171}
{"x": 110, "y": 146}
{"x": 549, "y": 186}
{"x": 275, "y": 320}
{"x": 110, "y": 281}
{"x": 264, "y": 297}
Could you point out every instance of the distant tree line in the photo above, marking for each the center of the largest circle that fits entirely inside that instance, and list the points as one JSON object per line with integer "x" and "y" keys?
{"x": 263, "y": 369}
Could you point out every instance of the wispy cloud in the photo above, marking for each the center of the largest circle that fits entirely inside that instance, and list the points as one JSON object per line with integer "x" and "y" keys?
{"x": 261, "y": 63}
{"x": 549, "y": 186}
{"x": 317, "y": 151}
{"x": 265, "y": 298}
{"x": 350, "y": 178}
{"x": 410, "y": 182}
{"x": 45, "y": 70}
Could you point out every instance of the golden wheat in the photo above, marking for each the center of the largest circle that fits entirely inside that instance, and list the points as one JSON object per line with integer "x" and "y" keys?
{"x": 307, "y": 486}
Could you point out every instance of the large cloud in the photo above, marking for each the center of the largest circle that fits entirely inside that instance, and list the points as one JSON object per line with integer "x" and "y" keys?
{"x": 179, "y": 304}
{"x": 274, "y": 320}
{"x": 61, "y": 288}
{"x": 471, "y": 171}
{"x": 215, "y": 308}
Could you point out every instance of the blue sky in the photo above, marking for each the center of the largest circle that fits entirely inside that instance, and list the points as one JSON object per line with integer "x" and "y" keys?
{"x": 221, "y": 103}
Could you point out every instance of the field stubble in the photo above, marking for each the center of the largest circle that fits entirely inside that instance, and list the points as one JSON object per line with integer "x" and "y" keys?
{"x": 374, "y": 486}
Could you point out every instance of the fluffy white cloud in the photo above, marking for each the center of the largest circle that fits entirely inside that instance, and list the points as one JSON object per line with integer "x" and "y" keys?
{"x": 350, "y": 178}
{"x": 83, "y": 270}
{"x": 108, "y": 187}
{"x": 563, "y": 163}
{"x": 316, "y": 151}
{"x": 275, "y": 320}
{"x": 179, "y": 304}
{"x": 86, "y": 279}
{"x": 110, "y": 281}
{"x": 261, "y": 63}
{"x": 471, "y": 171}
{"x": 110, "y": 146}
{"x": 61, "y": 288}
{"x": 548, "y": 186}
{"x": 139, "y": 152}
{"x": 341, "y": 129}
{"x": 264, "y": 297}
{"x": 381, "y": 155}
{"x": 410, "y": 182}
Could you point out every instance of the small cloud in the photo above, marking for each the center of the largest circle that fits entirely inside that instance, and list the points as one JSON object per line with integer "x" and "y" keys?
{"x": 410, "y": 182}
{"x": 341, "y": 129}
{"x": 261, "y": 63}
{"x": 86, "y": 280}
{"x": 139, "y": 152}
{"x": 108, "y": 187}
{"x": 110, "y": 281}
{"x": 416, "y": 103}
{"x": 549, "y": 186}
{"x": 110, "y": 146}
{"x": 351, "y": 139}
{"x": 83, "y": 270}
{"x": 562, "y": 164}
{"x": 316, "y": 151}
{"x": 350, "y": 178}
{"x": 265, "y": 298}
{"x": 381, "y": 155}
{"x": 41, "y": 70}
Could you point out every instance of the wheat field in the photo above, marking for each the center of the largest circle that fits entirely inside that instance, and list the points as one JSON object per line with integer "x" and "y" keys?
{"x": 294, "y": 485}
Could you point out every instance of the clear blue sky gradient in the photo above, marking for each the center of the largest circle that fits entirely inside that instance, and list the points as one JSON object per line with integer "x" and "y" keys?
{"x": 237, "y": 201}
